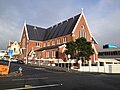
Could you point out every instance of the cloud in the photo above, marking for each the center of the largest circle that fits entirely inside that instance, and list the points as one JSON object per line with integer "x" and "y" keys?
{"x": 102, "y": 16}
{"x": 104, "y": 22}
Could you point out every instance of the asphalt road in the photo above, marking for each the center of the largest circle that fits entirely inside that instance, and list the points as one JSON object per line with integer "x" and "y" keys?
{"x": 37, "y": 78}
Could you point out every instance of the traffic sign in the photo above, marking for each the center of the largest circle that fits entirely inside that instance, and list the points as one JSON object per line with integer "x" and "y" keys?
{"x": 10, "y": 52}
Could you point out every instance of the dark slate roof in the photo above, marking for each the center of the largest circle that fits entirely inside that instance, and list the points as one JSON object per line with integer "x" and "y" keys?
{"x": 35, "y": 33}
{"x": 61, "y": 29}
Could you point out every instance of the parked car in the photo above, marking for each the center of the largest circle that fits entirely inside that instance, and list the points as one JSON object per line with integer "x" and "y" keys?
{"x": 13, "y": 59}
{"x": 20, "y": 62}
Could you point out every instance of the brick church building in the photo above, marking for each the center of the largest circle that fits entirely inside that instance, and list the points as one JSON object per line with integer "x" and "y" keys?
{"x": 49, "y": 43}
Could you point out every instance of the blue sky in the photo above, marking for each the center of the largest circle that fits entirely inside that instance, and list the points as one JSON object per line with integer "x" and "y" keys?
{"x": 103, "y": 17}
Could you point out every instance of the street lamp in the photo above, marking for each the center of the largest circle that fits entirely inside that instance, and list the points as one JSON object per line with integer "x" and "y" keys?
{"x": 27, "y": 53}
{"x": 68, "y": 60}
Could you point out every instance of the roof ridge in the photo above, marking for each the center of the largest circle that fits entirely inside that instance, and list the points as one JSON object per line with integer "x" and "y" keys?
{"x": 64, "y": 20}
{"x": 35, "y": 26}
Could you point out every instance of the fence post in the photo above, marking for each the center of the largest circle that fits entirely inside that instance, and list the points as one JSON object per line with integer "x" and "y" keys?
{"x": 48, "y": 63}
{"x": 104, "y": 66}
{"x": 89, "y": 65}
{"x": 53, "y": 63}
{"x": 72, "y": 64}
{"x": 79, "y": 64}
{"x": 98, "y": 65}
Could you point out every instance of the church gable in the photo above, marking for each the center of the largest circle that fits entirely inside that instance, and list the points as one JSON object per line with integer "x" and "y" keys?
{"x": 82, "y": 30}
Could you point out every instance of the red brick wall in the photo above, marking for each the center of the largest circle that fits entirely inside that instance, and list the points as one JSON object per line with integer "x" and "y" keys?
{"x": 78, "y": 28}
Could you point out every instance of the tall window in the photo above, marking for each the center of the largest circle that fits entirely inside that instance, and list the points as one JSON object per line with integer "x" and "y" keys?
{"x": 53, "y": 42}
{"x": 53, "y": 53}
{"x": 58, "y": 41}
{"x": 47, "y": 54}
{"x": 48, "y": 43}
{"x": 37, "y": 44}
{"x": 44, "y": 44}
{"x": 64, "y": 40}
{"x": 82, "y": 32}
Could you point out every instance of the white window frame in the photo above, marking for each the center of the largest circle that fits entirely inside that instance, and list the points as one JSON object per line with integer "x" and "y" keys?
{"x": 37, "y": 44}
{"x": 48, "y": 43}
{"x": 53, "y": 54}
{"x": 47, "y": 54}
{"x": 44, "y": 45}
{"x": 64, "y": 40}
{"x": 58, "y": 41}
{"x": 53, "y": 42}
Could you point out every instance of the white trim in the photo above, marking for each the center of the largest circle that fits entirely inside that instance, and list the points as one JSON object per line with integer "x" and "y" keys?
{"x": 63, "y": 50}
{"x": 62, "y": 46}
{"x": 33, "y": 87}
{"x": 22, "y": 32}
{"x": 87, "y": 24}
{"x": 82, "y": 14}
{"x": 94, "y": 48}
{"x": 77, "y": 23}
{"x": 95, "y": 40}
{"x": 88, "y": 27}
{"x": 24, "y": 27}
{"x": 26, "y": 32}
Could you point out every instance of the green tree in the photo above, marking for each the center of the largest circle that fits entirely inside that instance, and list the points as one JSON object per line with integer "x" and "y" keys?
{"x": 84, "y": 48}
{"x": 79, "y": 48}
{"x": 71, "y": 48}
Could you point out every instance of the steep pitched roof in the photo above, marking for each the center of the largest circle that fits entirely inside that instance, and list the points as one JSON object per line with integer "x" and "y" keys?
{"x": 58, "y": 30}
{"x": 61, "y": 29}
{"x": 35, "y": 33}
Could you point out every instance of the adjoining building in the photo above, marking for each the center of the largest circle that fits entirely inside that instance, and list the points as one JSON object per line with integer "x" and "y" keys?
{"x": 15, "y": 46}
{"x": 110, "y": 53}
{"x": 2, "y": 54}
{"x": 49, "y": 43}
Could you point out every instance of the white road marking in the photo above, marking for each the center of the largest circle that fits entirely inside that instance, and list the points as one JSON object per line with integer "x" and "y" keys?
{"x": 43, "y": 86}
{"x": 29, "y": 79}
{"x": 39, "y": 68}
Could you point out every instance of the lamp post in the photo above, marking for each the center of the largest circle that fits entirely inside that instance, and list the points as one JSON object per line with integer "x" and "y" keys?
{"x": 27, "y": 53}
{"x": 68, "y": 60}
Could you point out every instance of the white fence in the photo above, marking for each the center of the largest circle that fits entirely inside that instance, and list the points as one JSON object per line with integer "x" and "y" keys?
{"x": 107, "y": 68}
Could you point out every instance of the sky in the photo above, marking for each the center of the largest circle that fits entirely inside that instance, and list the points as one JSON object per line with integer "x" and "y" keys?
{"x": 103, "y": 17}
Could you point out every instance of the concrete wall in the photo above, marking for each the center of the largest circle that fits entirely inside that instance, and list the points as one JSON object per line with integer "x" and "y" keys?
{"x": 107, "y": 68}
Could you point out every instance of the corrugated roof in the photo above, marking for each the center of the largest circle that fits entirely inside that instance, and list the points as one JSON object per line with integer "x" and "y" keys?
{"x": 58, "y": 30}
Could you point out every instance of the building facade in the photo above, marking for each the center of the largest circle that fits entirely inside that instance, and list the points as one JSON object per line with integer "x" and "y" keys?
{"x": 49, "y": 43}
{"x": 15, "y": 46}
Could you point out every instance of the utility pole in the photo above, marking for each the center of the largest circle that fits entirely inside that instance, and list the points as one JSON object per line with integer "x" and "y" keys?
{"x": 27, "y": 53}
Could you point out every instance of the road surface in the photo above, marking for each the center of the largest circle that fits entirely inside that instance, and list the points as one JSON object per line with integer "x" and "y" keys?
{"x": 37, "y": 78}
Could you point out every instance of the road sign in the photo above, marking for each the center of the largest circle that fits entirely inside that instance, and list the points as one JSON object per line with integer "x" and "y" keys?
{"x": 10, "y": 52}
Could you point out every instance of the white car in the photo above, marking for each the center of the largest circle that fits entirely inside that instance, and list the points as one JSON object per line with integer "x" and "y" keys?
{"x": 13, "y": 59}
